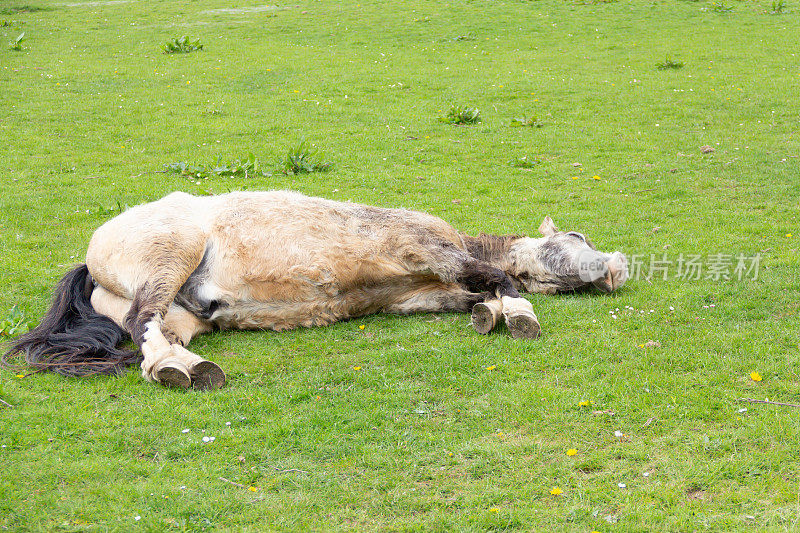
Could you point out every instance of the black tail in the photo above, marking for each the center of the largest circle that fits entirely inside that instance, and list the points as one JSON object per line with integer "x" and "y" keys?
{"x": 72, "y": 338}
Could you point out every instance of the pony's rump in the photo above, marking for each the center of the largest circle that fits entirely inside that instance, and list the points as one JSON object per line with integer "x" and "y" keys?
{"x": 73, "y": 339}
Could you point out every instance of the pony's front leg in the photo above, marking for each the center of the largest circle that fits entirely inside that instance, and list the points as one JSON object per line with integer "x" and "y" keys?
{"x": 517, "y": 312}
{"x": 486, "y": 315}
{"x": 520, "y": 318}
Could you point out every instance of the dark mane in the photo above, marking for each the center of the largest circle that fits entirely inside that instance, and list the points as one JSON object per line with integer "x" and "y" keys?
{"x": 489, "y": 248}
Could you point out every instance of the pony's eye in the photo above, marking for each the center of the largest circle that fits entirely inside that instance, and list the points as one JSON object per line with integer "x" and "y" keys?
{"x": 576, "y": 234}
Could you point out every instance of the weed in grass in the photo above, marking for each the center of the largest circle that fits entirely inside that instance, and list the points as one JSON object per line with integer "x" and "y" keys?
{"x": 6, "y": 23}
{"x": 186, "y": 169}
{"x": 529, "y": 122}
{"x": 720, "y": 7}
{"x": 61, "y": 170}
{"x": 524, "y": 162}
{"x": 669, "y": 64}
{"x": 182, "y": 45}
{"x": 302, "y": 160}
{"x": 460, "y": 115}
{"x": 250, "y": 167}
{"x": 22, "y": 9}
{"x": 110, "y": 212}
{"x": 212, "y": 111}
{"x": 14, "y": 323}
{"x": 777, "y": 7}
{"x": 16, "y": 44}
{"x": 467, "y": 37}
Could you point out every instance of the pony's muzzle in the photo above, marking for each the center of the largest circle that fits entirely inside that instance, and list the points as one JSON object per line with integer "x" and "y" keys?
{"x": 616, "y": 273}
{"x": 606, "y": 272}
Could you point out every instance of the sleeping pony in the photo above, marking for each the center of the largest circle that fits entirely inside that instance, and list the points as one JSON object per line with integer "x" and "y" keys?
{"x": 166, "y": 271}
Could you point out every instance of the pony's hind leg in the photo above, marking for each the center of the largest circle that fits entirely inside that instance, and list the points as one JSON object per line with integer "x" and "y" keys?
{"x": 167, "y": 361}
{"x": 183, "y": 325}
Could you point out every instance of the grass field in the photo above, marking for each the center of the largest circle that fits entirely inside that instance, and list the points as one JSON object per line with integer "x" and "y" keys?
{"x": 418, "y": 423}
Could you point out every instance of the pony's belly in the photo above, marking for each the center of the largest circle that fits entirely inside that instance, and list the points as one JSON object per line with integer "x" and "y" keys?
{"x": 274, "y": 315}
{"x": 321, "y": 310}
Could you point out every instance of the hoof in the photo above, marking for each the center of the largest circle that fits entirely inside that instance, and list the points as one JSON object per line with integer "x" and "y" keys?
{"x": 483, "y": 319}
{"x": 173, "y": 376}
{"x": 207, "y": 376}
{"x": 523, "y": 326}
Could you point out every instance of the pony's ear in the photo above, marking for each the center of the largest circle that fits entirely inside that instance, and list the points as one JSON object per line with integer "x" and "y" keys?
{"x": 547, "y": 227}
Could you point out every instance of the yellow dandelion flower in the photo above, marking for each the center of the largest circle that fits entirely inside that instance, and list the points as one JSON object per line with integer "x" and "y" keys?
{"x": 575, "y": 177}
{"x": 788, "y": 235}
{"x": 188, "y": 82}
{"x": 491, "y": 367}
{"x": 252, "y": 489}
{"x": 585, "y": 403}
{"x": 20, "y": 376}
{"x": 494, "y": 510}
{"x": 295, "y": 91}
{"x": 755, "y": 376}
{"x": 556, "y": 491}
{"x": 596, "y": 178}
{"x": 449, "y": 454}
{"x": 572, "y": 451}
{"x": 356, "y": 368}
{"x": 362, "y": 326}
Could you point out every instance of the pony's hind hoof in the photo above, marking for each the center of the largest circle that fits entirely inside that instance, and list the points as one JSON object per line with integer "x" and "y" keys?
{"x": 523, "y": 326}
{"x": 207, "y": 376}
{"x": 173, "y": 376}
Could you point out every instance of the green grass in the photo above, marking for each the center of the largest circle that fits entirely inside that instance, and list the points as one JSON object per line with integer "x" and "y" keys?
{"x": 422, "y": 437}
